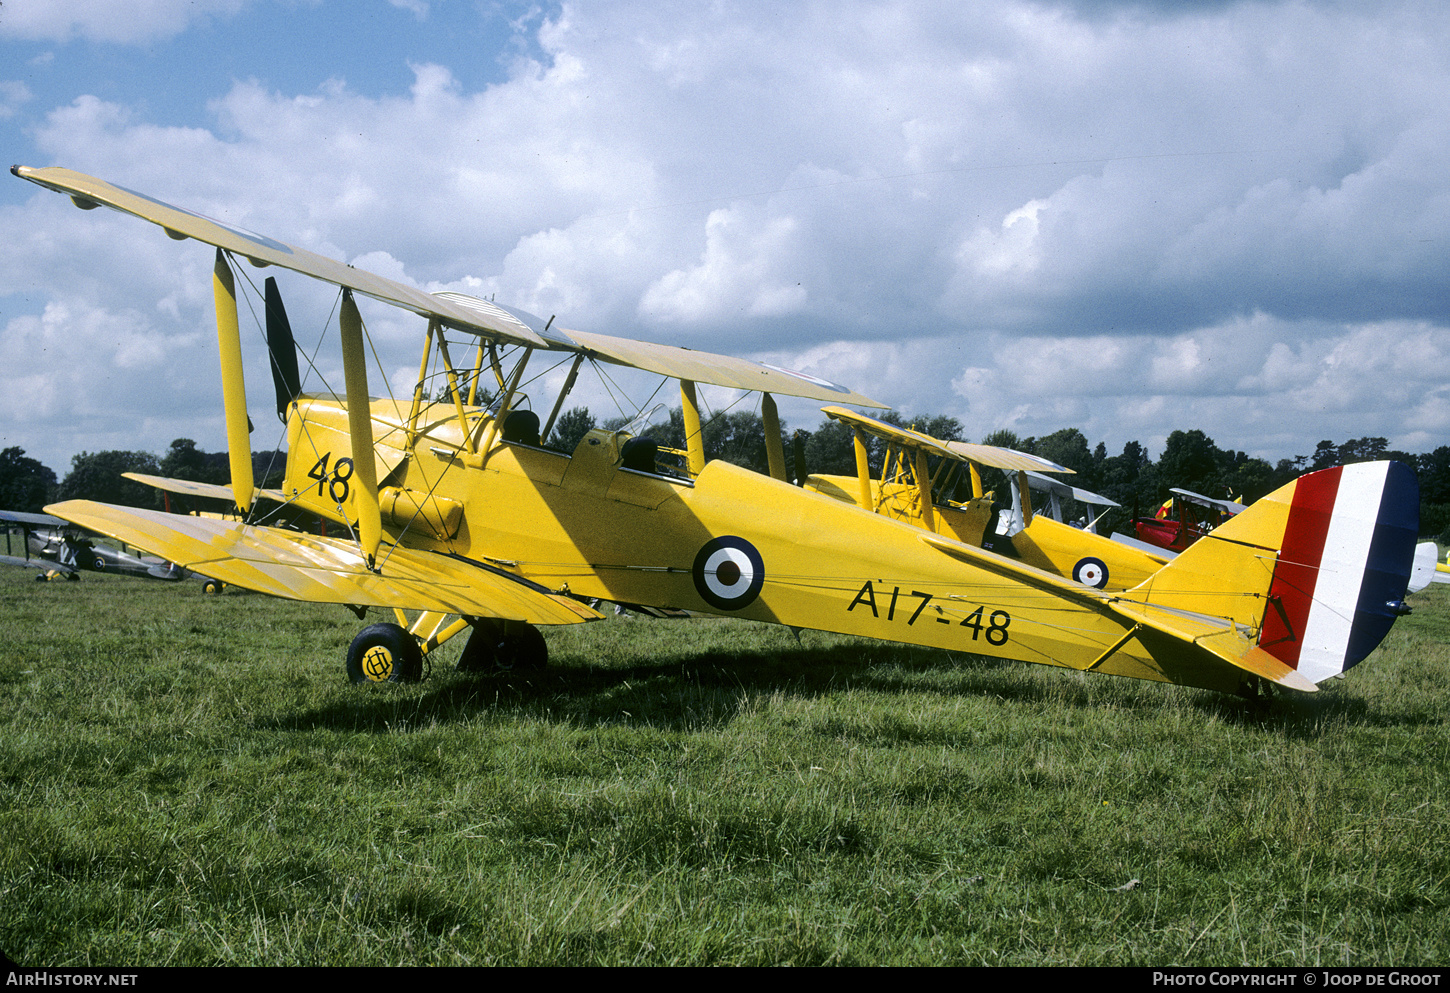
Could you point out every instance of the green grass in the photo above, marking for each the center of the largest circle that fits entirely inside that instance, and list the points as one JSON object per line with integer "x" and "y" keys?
{"x": 190, "y": 780}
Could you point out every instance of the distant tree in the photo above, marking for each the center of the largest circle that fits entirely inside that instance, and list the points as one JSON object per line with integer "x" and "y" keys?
{"x": 1004, "y": 438}
{"x": 1326, "y": 454}
{"x": 1246, "y": 479}
{"x": 25, "y": 484}
{"x": 1362, "y": 450}
{"x": 1070, "y": 448}
{"x": 1192, "y": 461}
{"x": 570, "y": 429}
{"x": 830, "y": 450}
{"x": 97, "y": 476}
{"x": 1434, "y": 472}
{"x": 185, "y": 461}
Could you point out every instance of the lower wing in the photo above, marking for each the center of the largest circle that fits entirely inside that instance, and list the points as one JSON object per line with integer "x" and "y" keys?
{"x": 323, "y": 570}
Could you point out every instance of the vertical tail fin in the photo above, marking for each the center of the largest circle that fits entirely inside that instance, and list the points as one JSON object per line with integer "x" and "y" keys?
{"x": 1344, "y": 565}
{"x": 1316, "y": 570}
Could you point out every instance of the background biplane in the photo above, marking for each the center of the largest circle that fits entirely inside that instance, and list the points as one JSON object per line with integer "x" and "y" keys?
{"x": 1186, "y": 517}
{"x": 56, "y": 548}
{"x": 454, "y": 510}
{"x": 938, "y": 486}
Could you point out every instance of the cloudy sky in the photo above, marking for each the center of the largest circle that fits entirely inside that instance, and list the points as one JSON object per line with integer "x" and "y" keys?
{"x": 1125, "y": 217}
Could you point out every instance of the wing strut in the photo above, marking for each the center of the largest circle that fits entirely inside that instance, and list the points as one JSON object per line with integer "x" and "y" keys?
{"x": 694, "y": 437}
{"x": 360, "y": 427}
{"x": 234, "y": 390}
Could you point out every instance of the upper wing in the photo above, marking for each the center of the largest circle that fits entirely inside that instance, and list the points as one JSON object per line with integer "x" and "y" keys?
{"x": 892, "y": 434}
{"x": 188, "y": 487}
{"x": 305, "y": 567}
{"x": 1004, "y": 458}
{"x": 1064, "y": 490}
{"x": 456, "y": 310}
{"x": 31, "y": 520}
{"x": 87, "y": 192}
{"x": 1227, "y": 506}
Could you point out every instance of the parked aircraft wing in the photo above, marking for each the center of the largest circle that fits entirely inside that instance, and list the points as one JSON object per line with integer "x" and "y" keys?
{"x": 30, "y": 520}
{"x": 305, "y": 567}
{"x": 44, "y": 565}
{"x": 1004, "y": 458}
{"x": 1224, "y": 506}
{"x": 890, "y": 433}
{"x": 1063, "y": 490}
{"x": 188, "y": 487}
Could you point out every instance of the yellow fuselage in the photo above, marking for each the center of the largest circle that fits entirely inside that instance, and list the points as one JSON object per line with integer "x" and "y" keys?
{"x": 585, "y": 524}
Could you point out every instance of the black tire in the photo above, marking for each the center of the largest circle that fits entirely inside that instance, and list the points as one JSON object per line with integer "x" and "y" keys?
{"x": 212, "y": 586}
{"x": 384, "y": 653}
{"x": 73, "y": 577}
{"x": 504, "y": 646}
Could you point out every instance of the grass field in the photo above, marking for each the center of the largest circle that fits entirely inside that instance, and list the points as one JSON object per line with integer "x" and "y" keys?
{"x": 190, "y": 780}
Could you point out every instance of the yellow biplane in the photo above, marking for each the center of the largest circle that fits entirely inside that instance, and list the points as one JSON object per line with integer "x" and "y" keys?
{"x": 454, "y": 511}
{"x": 920, "y": 474}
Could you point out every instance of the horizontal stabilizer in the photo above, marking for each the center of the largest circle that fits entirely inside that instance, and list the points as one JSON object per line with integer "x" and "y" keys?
{"x": 1427, "y": 555}
{"x": 297, "y": 566}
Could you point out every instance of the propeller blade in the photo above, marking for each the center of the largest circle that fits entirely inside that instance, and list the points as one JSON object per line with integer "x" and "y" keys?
{"x": 283, "y": 350}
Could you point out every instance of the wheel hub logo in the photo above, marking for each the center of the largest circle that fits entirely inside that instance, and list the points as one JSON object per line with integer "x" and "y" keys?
{"x": 378, "y": 663}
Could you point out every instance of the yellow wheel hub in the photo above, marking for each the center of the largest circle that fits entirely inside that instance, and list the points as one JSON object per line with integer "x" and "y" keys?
{"x": 378, "y": 664}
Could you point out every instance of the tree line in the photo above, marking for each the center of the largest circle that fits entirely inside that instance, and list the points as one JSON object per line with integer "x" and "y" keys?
{"x": 1190, "y": 460}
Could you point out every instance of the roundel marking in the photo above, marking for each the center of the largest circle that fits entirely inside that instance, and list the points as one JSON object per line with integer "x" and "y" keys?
{"x": 1091, "y": 572}
{"x": 728, "y": 573}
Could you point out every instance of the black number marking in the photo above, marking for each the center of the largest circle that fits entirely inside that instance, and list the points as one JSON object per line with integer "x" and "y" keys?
{"x": 995, "y": 626}
{"x": 998, "y": 626}
{"x": 319, "y": 472}
{"x": 338, "y": 478}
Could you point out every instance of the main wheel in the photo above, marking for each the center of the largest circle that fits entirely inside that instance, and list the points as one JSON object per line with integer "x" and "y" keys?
{"x": 504, "y": 646}
{"x": 212, "y": 586}
{"x": 384, "y": 653}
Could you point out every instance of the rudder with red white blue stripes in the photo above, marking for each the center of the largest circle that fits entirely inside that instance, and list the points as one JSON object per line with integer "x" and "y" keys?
{"x": 1343, "y": 566}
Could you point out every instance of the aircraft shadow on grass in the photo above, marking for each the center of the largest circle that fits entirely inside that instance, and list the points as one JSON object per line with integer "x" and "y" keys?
{"x": 705, "y": 692}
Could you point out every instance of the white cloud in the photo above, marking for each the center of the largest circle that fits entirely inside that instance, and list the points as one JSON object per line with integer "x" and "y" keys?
{"x": 740, "y": 273}
{"x": 1229, "y": 218}
{"x": 106, "y": 20}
